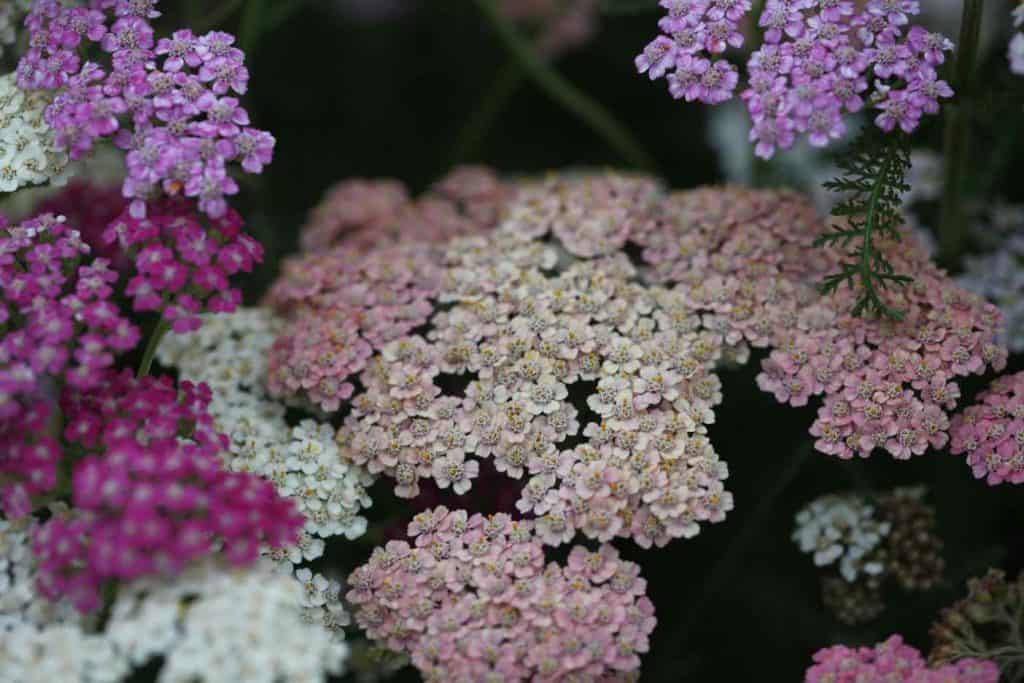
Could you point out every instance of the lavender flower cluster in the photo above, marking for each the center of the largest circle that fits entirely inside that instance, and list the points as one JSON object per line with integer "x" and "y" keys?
{"x": 167, "y": 102}
{"x": 815, "y": 64}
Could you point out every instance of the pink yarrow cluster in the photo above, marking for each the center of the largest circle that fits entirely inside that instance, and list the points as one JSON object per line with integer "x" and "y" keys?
{"x": 364, "y": 214}
{"x": 473, "y": 600}
{"x": 343, "y": 305}
{"x": 183, "y": 261}
{"x": 745, "y": 258}
{"x": 818, "y": 61}
{"x": 893, "y": 660}
{"x": 168, "y": 102}
{"x": 991, "y": 432}
{"x": 58, "y": 319}
{"x": 151, "y": 493}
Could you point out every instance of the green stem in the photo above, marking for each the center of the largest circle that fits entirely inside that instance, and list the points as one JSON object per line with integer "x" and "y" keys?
{"x": 215, "y": 18}
{"x": 956, "y": 142}
{"x": 162, "y": 327}
{"x": 724, "y": 569}
{"x": 252, "y": 25}
{"x": 591, "y": 112}
{"x": 483, "y": 117}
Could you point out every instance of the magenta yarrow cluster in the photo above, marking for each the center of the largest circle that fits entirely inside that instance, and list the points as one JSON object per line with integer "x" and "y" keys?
{"x": 168, "y": 102}
{"x": 183, "y": 261}
{"x": 90, "y": 208}
{"x": 819, "y": 59}
{"x": 29, "y": 457}
{"x": 893, "y": 660}
{"x": 991, "y": 432}
{"x": 473, "y": 600}
{"x": 151, "y": 493}
{"x": 57, "y": 319}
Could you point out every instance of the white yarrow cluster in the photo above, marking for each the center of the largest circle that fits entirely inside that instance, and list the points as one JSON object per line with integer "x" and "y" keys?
{"x": 27, "y": 152}
{"x": 841, "y": 528}
{"x": 998, "y": 274}
{"x": 229, "y": 354}
{"x": 218, "y": 626}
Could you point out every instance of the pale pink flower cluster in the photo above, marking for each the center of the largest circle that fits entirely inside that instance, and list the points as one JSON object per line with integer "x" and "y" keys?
{"x": 893, "y": 660}
{"x": 991, "y": 432}
{"x": 343, "y": 305}
{"x": 473, "y": 600}
{"x": 560, "y": 25}
{"x": 745, "y": 260}
{"x": 523, "y": 337}
{"x": 368, "y": 213}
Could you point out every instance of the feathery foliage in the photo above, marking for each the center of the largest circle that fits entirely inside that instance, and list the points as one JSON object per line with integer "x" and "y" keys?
{"x": 873, "y": 171}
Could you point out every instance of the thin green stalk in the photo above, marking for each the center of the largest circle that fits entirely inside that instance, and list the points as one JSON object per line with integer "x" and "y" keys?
{"x": 213, "y": 19}
{"x": 591, "y": 112}
{"x": 724, "y": 569}
{"x": 956, "y": 142}
{"x": 480, "y": 122}
{"x": 252, "y": 25}
{"x": 162, "y": 328}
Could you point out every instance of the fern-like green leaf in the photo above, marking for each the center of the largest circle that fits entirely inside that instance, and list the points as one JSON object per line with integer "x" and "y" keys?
{"x": 873, "y": 172}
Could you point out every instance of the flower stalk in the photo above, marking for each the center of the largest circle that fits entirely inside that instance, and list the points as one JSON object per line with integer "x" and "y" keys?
{"x": 956, "y": 141}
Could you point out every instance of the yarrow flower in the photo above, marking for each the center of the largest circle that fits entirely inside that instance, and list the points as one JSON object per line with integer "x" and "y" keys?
{"x": 57, "y": 318}
{"x": 815, "y": 64}
{"x": 998, "y": 272}
{"x": 150, "y": 493}
{"x": 365, "y": 214}
{"x": 559, "y": 26}
{"x": 893, "y": 660}
{"x": 229, "y": 354}
{"x": 644, "y": 469}
{"x": 183, "y": 261}
{"x": 991, "y": 432}
{"x": 746, "y": 258}
{"x": 844, "y": 529}
{"x": 89, "y": 207}
{"x": 471, "y": 598}
{"x": 29, "y": 154}
{"x": 1015, "y": 51}
{"x": 168, "y": 102}
{"x": 870, "y": 540}
{"x": 216, "y": 625}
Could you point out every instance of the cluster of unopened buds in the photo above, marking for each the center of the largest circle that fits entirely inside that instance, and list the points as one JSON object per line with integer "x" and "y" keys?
{"x": 871, "y": 540}
{"x": 819, "y": 59}
{"x": 170, "y": 103}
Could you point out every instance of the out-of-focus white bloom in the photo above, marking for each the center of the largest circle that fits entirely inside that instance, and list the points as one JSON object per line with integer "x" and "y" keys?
{"x": 924, "y": 177}
{"x": 229, "y": 354}
{"x": 27, "y": 152}
{"x": 999, "y": 277}
{"x": 219, "y": 626}
{"x": 844, "y": 529}
{"x": 59, "y": 652}
{"x": 20, "y": 604}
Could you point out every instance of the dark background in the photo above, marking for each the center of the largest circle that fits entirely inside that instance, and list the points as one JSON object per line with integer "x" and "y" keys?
{"x": 391, "y": 98}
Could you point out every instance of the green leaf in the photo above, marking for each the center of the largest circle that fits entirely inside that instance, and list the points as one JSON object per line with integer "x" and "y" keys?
{"x": 873, "y": 172}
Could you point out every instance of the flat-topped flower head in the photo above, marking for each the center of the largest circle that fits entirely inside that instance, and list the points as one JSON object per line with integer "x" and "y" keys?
{"x": 815, "y": 65}
{"x": 150, "y": 493}
{"x": 167, "y": 102}
{"x": 470, "y": 597}
{"x": 893, "y": 660}
{"x": 991, "y": 432}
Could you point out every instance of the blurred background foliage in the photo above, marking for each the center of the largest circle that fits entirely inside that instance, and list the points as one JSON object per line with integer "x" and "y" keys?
{"x": 408, "y": 94}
